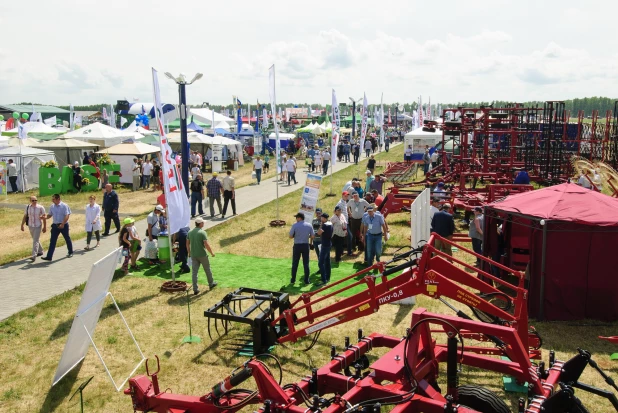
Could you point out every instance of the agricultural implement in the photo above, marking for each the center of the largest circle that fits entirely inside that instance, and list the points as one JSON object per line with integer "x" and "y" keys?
{"x": 424, "y": 270}
{"x": 405, "y": 379}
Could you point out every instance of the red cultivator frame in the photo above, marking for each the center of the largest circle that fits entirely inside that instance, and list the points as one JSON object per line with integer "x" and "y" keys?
{"x": 405, "y": 377}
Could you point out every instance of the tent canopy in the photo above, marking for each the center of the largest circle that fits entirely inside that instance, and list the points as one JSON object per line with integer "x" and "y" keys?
{"x": 100, "y": 134}
{"x": 131, "y": 148}
{"x": 206, "y": 115}
{"x": 566, "y": 202}
{"x": 27, "y": 162}
{"x": 134, "y": 128}
{"x": 67, "y": 151}
{"x": 198, "y": 138}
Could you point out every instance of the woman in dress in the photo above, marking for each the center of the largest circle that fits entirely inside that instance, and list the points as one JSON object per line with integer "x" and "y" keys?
{"x": 93, "y": 221}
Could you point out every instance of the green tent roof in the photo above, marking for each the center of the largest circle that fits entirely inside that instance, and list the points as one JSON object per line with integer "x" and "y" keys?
{"x": 28, "y": 108}
{"x": 175, "y": 124}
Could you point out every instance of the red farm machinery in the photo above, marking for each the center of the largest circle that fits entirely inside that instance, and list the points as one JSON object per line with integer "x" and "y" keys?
{"x": 405, "y": 379}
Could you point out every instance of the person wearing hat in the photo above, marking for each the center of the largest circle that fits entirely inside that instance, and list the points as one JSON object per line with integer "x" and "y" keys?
{"x": 326, "y": 233}
{"x": 302, "y": 233}
{"x": 476, "y": 232}
{"x": 435, "y": 207}
{"x": 198, "y": 249}
{"x": 373, "y": 228}
{"x": 340, "y": 231}
{"x": 368, "y": 180}
{"x": 356, "y": 210}
{"x": 215, "y": 189}
{"x": 439, "y": 191}
{"x": 443, "y": 224}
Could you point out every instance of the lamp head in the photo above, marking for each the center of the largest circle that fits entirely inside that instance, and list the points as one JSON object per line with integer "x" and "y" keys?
{"x": 169, "y": 75}
{"x": 181, "y": 78}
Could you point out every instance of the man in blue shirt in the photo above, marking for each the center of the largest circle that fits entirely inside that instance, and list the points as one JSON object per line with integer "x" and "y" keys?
{"x": 346, "y": 151}
{"x": 522, "y": 178}
{"x": 443, "y": 224}
{"x": 303, "y": 234}
{"x": 110, "y": 208}
{"x": 60, "y": 214}
{"x": 311, "y": 155}
{"x": 373, "y": 228}
{"x": 326, "y": 232}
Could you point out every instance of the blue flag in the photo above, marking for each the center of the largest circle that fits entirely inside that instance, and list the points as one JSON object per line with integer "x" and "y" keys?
{"x": 239, "y": 120}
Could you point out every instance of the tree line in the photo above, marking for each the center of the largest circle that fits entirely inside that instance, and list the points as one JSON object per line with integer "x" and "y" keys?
{"x": 588, "y": 104}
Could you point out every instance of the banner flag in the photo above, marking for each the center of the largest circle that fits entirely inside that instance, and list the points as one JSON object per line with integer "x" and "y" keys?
{"x": 420, "y": 111}
{"x": 439, "y": 110}
{"x": 178, "y": 208}
{"x": 112, "y": 116}
{"x": 429, "y": 109}
{"x": 336, "y": 124}
{"x": 382, "y": 120}
{"x": 123, "y": 121}
{"x": 363, "y": 124}
{"x": 104, "y": 111}
{"x": 264, "y": 118}
{"x": 36, "y": 116}
{"x": 273, "y": 108}
{"x": 238, "y": 116}
{"x": 310, "y": 196}
{"x": 77, "y": 120}
{"x": 389, "y": 116}
{"x": 21, "y": 131}
{"x": 50, "y": 121}
{"x": 249, "y": 113}
{"x": 72, "y": 118}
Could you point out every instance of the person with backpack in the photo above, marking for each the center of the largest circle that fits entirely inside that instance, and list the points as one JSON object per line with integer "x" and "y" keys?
{"x": 197, "y": 195}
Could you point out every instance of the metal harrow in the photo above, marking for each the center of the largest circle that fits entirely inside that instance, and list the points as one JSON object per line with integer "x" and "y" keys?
{"x": 259, "y": 311}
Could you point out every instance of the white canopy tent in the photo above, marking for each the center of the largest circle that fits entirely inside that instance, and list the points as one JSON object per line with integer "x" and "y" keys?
{"x": 37, "y": 130}
{"x": 15, "y": 141}
{"x": 134, "y": 128}
{"x": 27, "y": 162}
{"x": 102, "y": 135}
{"x": 222, "y": 125}
{"x": 206, "y": 115}
{"x": 67, "y": 151}
{"x": 124, "y": 153}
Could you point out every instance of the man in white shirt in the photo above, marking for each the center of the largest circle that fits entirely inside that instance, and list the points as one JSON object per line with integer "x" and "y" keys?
{"x": 36, "y": 219}
{"x": 257, "y": 167}
{"x": 195, "y": 171}
{"x": 434, "y": 159}
{"x": 290, "y": 167}
{"x": 229, "y": 193}
{"x": 136, "y": 175}
{"x": 407, "y": 153}
{"x": 326, "y": 157}
{"x": 367, "y": 148}
{"x": 435, "y": 207}
{"x": 147, "y": 172}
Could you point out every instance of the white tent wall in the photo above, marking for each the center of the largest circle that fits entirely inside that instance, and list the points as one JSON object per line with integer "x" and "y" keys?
{"x": 126, "y": 167}
{"x": 27, "y": 162}
{"x": 419, "y": 138}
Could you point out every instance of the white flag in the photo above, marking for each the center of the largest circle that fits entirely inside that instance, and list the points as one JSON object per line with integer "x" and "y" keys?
{"x": 264, "y": 118}
{"x": 420, "y": 111}
{"x": 50, "y": 121}
{"x": 21, "y": 130}
{"x": 178, "y": 208}
{"x": 273, "y": 108}
{"x": 36, "y": 116}
{"x": 71, "y": 118}
{"x": 77, "y": 120}
{"x": 364, "y": 124}
{"x": 123, "y": 121}
{"x": 336, "y": 123}
{"x": 382, "y": 120}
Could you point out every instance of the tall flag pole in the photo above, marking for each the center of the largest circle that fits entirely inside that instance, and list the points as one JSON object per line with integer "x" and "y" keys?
{"x": 363, "y": 128}
{"x": 429, "y": 109}
{"x": 238, "y": 117}
{"x": 273, "y": 108}
{"x": 72, "y": 118}
{"x": 177, "y": 203}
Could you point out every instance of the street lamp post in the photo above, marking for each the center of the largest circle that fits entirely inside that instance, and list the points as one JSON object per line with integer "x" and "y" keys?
{"x": 181, "y": 81}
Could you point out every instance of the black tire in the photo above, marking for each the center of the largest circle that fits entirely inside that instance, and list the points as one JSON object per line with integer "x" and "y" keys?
{"x": 481, "y": 399}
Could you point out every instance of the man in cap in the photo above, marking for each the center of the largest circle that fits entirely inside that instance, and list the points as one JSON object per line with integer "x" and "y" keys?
{"x": 303, "y": 234}
{"x": 316, "y": 223}
{"x": 197, "y": 248}
{"x": 373, "y": 228}
{"x": 153, "y": 223}
{"x": 326, "y": 233}
{"x": 439, "y": 191}
{"x": 356, "y": 210}
{"x": 435, "y": 207}
{"x": 215, "y": 189}
{"x": 197, "y": 194}
{"x": 443, "y": 224}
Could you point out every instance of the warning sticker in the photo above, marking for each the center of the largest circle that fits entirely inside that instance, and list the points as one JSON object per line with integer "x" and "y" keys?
{"x": 432, "y": 288}
{"x": 364, "y": 307}
{"x": 320, "y": 326}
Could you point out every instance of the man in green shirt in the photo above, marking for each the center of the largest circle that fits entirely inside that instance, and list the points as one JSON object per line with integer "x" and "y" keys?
{"x": 197, "y": 247}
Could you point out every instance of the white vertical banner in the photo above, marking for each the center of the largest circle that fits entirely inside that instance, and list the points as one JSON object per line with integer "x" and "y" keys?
{"x": 429, "y": 109}
{"x": 273, "y": 108}
{"x": 248, "y": 113}
{"x": 264, "y": 118}
{"x": 420, "y": 111}
{"x": 336, "y": 123}
{"x": 71, "y": 118}
{"x": 381, "y": 121}
{"x": 363, "y": 124}
{"x": 178, "y": 209}
{"x": 420, "y": 219}
{"x": 21, "y": 131}
{"x": 310, "y": 196}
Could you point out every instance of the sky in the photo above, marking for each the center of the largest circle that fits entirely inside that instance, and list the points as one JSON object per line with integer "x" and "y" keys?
{"x": 85, "y": 52}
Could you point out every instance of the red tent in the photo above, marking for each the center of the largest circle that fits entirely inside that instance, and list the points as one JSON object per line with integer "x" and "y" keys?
{"x": 565, "y": 236}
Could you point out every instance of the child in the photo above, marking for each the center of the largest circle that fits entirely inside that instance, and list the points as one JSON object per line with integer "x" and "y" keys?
{"x": 93, "y": 221}
{"x": 125, "y": 242}
{"x": 266, "y": 164}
